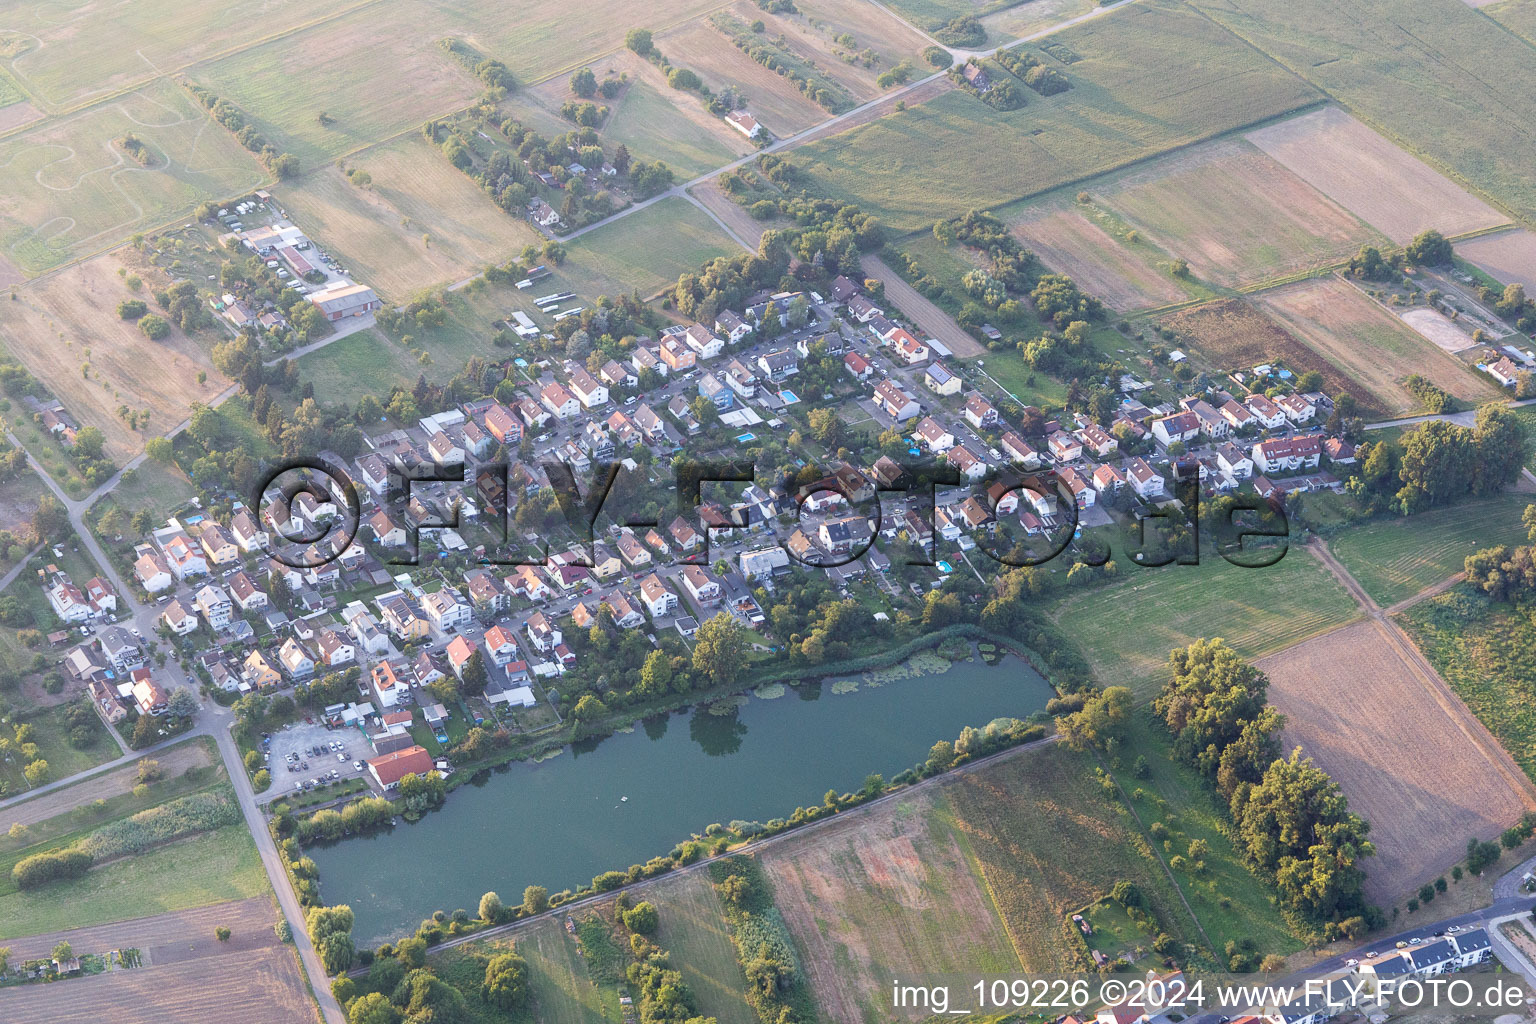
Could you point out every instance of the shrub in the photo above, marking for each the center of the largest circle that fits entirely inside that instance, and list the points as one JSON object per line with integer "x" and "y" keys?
{"x": 154, "y": 327}
{"x": 41, "y": 868}
{"x": 131, "y": 309}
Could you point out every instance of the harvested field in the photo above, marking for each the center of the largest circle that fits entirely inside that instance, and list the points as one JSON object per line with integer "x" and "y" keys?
{"x": 933, "y": 320}
{"x": 1027, "y": 18}
{"x": 1234, "y": 214}
{"x": 1122, "y": 107}
{"x": 67, "y": 188}
{"x": 1373, "y": 347}
{"x": 421, "y": 222}
{"x": 1439, "y": 329}
{"x": 930, "y": 89}
{"x": 173, "y": 762}
{"x": 1017, "y": 814}
{"x": 374, "y": 72}
{"x": 1419, "y": 823}
{"x": 1071, "y": 243}
{"x": 1509, "y": 256}
{"x": 69, "y": 320}
{"x": 189, "y": 976}
{"x": 1236, "y": 334}
{"x": 1390, "y": 190}
{"x": 773, "y": 99}
{"x": 893, "y": 893}
{"x": 15, "y": 115}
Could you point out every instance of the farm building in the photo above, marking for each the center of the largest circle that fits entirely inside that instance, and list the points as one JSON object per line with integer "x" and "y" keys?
{"x": 744, "y": 123}
{"x": 346, "y": 300}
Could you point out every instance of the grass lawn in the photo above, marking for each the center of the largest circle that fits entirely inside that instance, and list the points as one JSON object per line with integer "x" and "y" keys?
{"x": 1127, "y": 628}
{"x": 1181, "y": 800}
{"x": 55, "y": 461}
{"x": 153, "y": 485}
{"x": 694, "y": 930}
{"x": 1485, "y": 657}
{"x": 652, "y": 128}
{"x": 1122, "y": 107}
{"x": 211, "y": 868}
{"x": 52, "y": 737}
{"x": 365, "y": 363}
{"x": 1396, "y": 558}
{"x": 644, "y": 251}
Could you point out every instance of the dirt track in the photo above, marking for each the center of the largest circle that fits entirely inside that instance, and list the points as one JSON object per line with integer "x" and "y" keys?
{"x": 118, "y": 781}
{"x": 937, "y": 323}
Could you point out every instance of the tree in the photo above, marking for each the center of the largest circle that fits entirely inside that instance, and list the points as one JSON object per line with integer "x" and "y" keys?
{"x": 1429, "y": 249}
{"x": 639, "y": 40}
{"x": 506, "y": 981}
{"x": 131, "y": 309}
{"x": 474, "y": 676}
{"x": 412, "y": 951}
{"x": 535, "y": 900}
{"x": 182, "y": 703}
{"x": 155, "y": 328}
{"x": 1213, "y": 694}
{"x": 490, "y": 907}
{"x": 63, "y": 951}
{"x": 1102, "y": 717}
{"x": 373, "y": 1008}
{"x": 720, "y": 649}
{"x": 221, "y": 933}
{"x": 642, "y": 918}
{"x": 584, "y": 83}
{"x": 656, "y": 674}
{"x": 589, "y": 708}
{"x": 159, "y": 449}
{"x": 50, "y": 521}
{"x": 37, "y": 772}
{"x": 150, "y": 770}
{"x": 336, "y": 952}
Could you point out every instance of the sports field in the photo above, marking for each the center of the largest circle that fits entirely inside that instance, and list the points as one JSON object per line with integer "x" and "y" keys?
{"x": 1394, "y": 192}
{"x": 373, "y": 73}
{"x": 1127, "y": 629}
{"x": 1370, "y": 54}
{"x": 421, "y": 222}
{"x": 893, "y": 892}
{"x": 1235, "y": 215}
{"x": 1393, "y": 559}
{"x": 1123, "y": 106}
{"x": 67, "y": 188}
{"x": 1346, "y": 327}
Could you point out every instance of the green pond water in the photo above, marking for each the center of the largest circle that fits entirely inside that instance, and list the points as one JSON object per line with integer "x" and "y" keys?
{"x": 562, "y": 821}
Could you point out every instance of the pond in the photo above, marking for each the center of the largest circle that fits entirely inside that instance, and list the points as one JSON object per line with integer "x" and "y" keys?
{"x": 605, "y": 805}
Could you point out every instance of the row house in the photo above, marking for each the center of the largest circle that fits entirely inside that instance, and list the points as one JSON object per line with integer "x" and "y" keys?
{"x": 1288, "y": 454}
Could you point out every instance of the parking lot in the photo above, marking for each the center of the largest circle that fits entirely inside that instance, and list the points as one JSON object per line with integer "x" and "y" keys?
{"x": 302, "y": 755}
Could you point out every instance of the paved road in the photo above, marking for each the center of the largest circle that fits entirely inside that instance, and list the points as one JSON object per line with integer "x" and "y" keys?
{"x": 1465, "y": 418}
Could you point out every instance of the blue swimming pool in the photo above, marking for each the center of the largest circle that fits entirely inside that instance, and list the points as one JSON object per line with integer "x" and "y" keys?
{"x": 748, "y": 436}
{"x": 788, "y": 397}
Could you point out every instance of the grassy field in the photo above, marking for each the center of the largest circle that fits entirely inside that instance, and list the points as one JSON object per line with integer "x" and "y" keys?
{"x": 1127, "y": 629}
{"x": 562, "y": 988}
{"x": 1394, "y": 559}
{"x": 211, "y": 868}
{"x": 644, "y": 251}
{"x": 895, "y": 892}
{"x": 694, "y": 930}
{"x": 375, "y": 72}
{"x": 1017, "y": 816}
{"x": 1371, "y": 53}
{"x": 422, "y": 222}
{"x": 1347, "y": 328}
{"x": 1483, "y": 652}
{"x": 67, "y": 189}
{"x": 51, "y": 734}
{"x": 932, "y": 14}
{"x": 1182, "y": 801}
{"x": 1122, "y": 107}
{"x": 653, "y": 127}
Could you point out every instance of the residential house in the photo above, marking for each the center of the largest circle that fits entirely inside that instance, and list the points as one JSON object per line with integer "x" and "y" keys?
{"x": 1296, "y": 408}
{"x": 148, "y": 697}
{"x": 701, "y": 585}
{"x": 258, "y": 673}
{"x": 1268, "y": 414}
{"x": 1108, "y": 480}
{"x": 1288, "y": 454}
{"x": 120, "y": 648}
{"x": 762, "y": 563}
{"x": 388, "y": 769}
{"x": 385, "y": 530}
{"x": 744, "y": 123}
{"x": 1234, "y": 461}
{"x": 894, "y": 402}
{"x": 586, "y": 388}
{"x": 153, "y": 572}
{"x": 185, "y": 560}
{"x": 214, "y": 605}
{"x": 1098, "y": 440}
{"x": 646, "y": 358}
{"x": 1180, "y": 428}
{"x": 732, "y": 326}
{"x": 247, "y": 533}
{"x": 970, "y": 465}
{"x": 1020, "y": 451}
{"x": 740, "y": 379}
{"x": 1064, "y": 447}
{"x": 632, "y": 551}
{"x": 712, "y": 388}
{"x": 1144, "y": 480}
{"x": 500, "y": 645}
{"x": 402, "y": 618}
{"x": 444, "y": 450}
{"x": 446, "y": 609}
{"x": 863, "y": 310}
{"x": 940, "y": 380}
{"x": 544, "y": 635}
{"x": 676, "y": 355}
{"x": 296, "y": 662}
{"x": 69, "y": 604}
{"x": 335, "y": 648}
{"x": 1080, "y": 487}
{"x": 218, "y": 546}
{"x": 658, "y": 600}
{"x": 979, "y": 412}
{"x": 907, "y": 348}
{"x": 779, "y": 365}
{"x": 560, "y": 402}
{"x": 1505, "y": 372}
{"x": 486, "y": 594}
{"x": 1239, "y": 417}
{"x": 858, "y": 366}
{"x": 391, "y": 682}
{"x": 936, "y": 437}
{"x": 684, "y": 535}
{"x": 178, "y": 619}
{"x": 1339, "y": 451}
